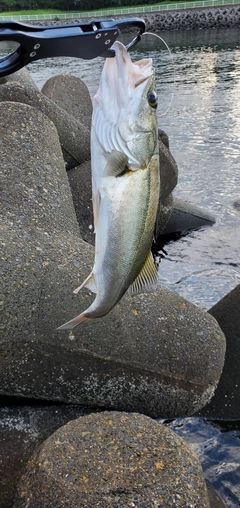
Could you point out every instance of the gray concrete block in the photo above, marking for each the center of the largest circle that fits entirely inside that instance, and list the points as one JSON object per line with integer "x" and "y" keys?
{"x": 71, "y": 94}
{"x": 113, "y": 459}
{"x": 153, "y": 353}
{"x": 74, "y": 136}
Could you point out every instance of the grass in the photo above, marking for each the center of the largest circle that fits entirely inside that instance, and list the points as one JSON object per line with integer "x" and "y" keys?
{"x": 57, "y": 11}
{"x": 34, "y": 12}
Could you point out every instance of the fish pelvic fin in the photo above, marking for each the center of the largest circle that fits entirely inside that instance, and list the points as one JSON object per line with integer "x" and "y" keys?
{"x": 147, "y": 279}
{"x": 74, "y": 322}
{"x": 117, "y": 164}
{"x": 88, "y": 283}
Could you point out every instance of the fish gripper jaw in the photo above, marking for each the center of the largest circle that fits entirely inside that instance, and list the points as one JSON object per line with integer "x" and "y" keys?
{"x": 84, "y": 40}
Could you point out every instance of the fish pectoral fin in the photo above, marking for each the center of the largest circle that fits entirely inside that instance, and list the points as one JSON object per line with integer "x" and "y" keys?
{"x": 88, "y": 283}
{"x": 147, "y": 279}
{"x": 117, "y": 164}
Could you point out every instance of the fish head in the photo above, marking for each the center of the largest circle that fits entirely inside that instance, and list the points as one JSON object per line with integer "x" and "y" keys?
{"x": 124, "y": 108}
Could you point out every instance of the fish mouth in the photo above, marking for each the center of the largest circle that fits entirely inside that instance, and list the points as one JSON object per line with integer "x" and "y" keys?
{"x": 122, "y": 79}
{"x": 140, "y": 81}
{"x": 138, "y": 72}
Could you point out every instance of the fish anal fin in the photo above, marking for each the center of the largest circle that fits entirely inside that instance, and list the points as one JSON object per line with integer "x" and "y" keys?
{"x": 147, "y": 279}
{"x": 88, "y": 283}
{"x": 117, "y": 164}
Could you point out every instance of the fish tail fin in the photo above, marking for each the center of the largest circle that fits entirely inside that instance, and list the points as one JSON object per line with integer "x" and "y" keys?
{"x": 74, "y": 322}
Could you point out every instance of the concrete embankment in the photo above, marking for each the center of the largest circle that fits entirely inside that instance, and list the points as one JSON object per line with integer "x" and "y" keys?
{"x": 206, "y": 17}
{"x": 202, "y": 17}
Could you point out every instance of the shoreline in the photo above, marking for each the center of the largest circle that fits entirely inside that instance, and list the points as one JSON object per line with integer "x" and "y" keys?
{"x": 201, "y": 17}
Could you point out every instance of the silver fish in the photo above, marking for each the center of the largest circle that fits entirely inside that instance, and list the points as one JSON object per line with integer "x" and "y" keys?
{"x": 125, "y": 183}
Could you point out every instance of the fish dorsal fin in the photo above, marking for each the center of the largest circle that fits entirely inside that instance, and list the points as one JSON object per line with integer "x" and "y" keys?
{"x": 88, "y": 283}
{"x": 117, "y": 164}
{"x": 147, "y": 279}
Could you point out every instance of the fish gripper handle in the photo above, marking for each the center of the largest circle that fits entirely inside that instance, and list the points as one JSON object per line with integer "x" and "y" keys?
{"x": 84, "y": 40}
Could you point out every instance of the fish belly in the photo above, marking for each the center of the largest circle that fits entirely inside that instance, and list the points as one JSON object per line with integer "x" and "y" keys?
{"x": 127, "y": 214}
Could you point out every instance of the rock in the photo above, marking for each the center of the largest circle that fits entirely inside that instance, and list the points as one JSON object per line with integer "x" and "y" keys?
{"x": 214, "y": 499}
{"x": 22, "y": 429}
{"x": 121, "y": 362}
{"x": 22, "y": 76}
{"x": 25, "y": 424}
{"x": 186, "y": 216}
{"x": 113, "y": 459}
{"x": 226, "y": 403}
{"x": 236, "y": 204}
{"x": 73, "y": 135}
{"x": 168, "y": 166}
{"x": 205, "y": 17}
{"x": 163, "y": 217}
{"x": 71, "y": 94}
{"x": 81, "y": 186}
{"x": 168, "y": 178}
{"x": 153, "y": 353}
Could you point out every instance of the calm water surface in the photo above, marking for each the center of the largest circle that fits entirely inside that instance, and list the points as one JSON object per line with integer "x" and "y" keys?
{"x": 199, "y": 108}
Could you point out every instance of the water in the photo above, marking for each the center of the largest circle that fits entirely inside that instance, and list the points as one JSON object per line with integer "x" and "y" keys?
{"x": 217, "y": 445}
{"x": 200, "y": 81}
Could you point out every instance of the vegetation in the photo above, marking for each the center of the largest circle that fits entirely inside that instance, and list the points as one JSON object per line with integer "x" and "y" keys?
{"x": 31, "y": 11}
{"x": 68, "y": 5}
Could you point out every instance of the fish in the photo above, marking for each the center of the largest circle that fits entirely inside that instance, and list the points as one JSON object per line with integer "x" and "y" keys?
{"x": 125, "y": 183}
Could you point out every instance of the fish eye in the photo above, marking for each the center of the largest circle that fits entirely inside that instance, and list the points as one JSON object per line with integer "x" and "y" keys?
{"x": 153, "y": 99}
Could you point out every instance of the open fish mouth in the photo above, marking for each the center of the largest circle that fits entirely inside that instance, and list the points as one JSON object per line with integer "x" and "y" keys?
{"x": 122, "y": 78}
{"x": 126, "y": 74}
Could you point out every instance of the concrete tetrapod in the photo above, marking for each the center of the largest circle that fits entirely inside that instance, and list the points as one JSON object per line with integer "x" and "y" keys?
{"x": 226, "y": 402}
{"x": 154, "y": 353}
{"x": 74, "y": 136}
{"x": 113, "y": 459}
{"x": 71, "y": 94}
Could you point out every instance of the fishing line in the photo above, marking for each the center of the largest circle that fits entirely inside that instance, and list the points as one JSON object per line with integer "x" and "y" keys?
{"x": 174, "y": 76}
